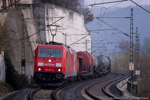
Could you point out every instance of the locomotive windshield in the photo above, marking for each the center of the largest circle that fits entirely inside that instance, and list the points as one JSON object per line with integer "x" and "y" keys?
{"x": 50, "y": 53}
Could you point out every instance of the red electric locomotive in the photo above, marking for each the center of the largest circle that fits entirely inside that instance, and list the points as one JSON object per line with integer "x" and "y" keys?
{"x": 55, "y": 64}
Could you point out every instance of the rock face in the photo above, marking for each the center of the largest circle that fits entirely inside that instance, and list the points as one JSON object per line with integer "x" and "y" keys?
{"x": 66, "y": 24}
{"x": 30, "y": 25}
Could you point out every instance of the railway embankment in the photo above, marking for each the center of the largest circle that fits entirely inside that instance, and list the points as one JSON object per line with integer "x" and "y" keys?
{"x": 122, "y": 86}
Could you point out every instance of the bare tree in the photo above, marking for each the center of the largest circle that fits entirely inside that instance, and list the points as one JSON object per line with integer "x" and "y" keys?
{"x": 120, "y": 62}
{"x": 124, "y": 46}
{"x": 145, "y": 69}
{"x": 75, "y": 5}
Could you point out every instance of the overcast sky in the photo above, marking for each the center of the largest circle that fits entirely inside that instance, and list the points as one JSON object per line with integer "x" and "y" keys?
{"x": 141, "y": 20}
{"x": 118, "y": 4}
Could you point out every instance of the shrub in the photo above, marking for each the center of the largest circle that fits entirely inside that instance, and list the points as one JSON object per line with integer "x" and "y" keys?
{"x": 12, "y": 77}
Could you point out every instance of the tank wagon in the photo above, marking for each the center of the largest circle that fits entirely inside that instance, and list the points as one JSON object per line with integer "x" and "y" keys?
{"x": 104, "y": 63}
{"x": 87, "y": 63}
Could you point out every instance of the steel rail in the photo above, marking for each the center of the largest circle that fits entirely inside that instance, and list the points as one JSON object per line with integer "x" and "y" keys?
{"x": 104, "y": 87}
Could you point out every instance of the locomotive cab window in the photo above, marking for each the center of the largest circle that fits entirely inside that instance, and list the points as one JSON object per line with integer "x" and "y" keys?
{"x": 58, "y": 53}
{"x": 51, "y": 53}
{"x": 44, "y": 52}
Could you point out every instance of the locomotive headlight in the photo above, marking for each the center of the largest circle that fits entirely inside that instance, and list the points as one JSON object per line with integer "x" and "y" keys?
{"x": 59, "y": 70}
{"x": 58, "y": 64}
{"x": 39, "y": 69}
{"x": 49, "y": 60}
{"x": 40, "y": 64}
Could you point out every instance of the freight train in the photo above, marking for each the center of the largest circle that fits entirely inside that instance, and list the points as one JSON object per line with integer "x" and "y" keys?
{"x": 58, "y": 64}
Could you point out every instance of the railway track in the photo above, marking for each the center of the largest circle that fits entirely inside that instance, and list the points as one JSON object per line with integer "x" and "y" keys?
{"x": 105, "y": 90}
{"x": 76, "y": 91}
{"x": 50, "y": 94}
{"x": 80, "y": 90}
{"x": 111, "y": 90}
{"x": 41, "y": 94}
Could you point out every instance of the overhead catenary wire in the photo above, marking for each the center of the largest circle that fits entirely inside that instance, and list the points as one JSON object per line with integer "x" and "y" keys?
{"x": 101, "y": 30}
{"x": 119, "y": 36}
{"x": 129, "y": 17}
{"x": 73, "y": 35}
{"x": 113, "y": 27}
{"x": 98, "y": 48}
{"x": 83, "y": 42}
{"x": 66, "y": 35}
{"x": 113, "y": 17}
{"x": 79, "y": 39}
{"x": 118, "y": 4}
{"x": 103, "y": 14}
{"x": 107, "y": 2}
{"x": 114, "y": 5}
{"x": 94, "y": 45}
{"x": 120, "y": 1}
{"x": 140, "y": 6}
{"x": 110, "y": 29}
{"x": 42, "y": 29}
{"x": 73, "y": 28}
{"x": 104, "y": 44}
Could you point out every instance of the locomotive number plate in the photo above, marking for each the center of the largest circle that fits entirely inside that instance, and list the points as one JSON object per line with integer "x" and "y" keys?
{"x": 49, "y": 69}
